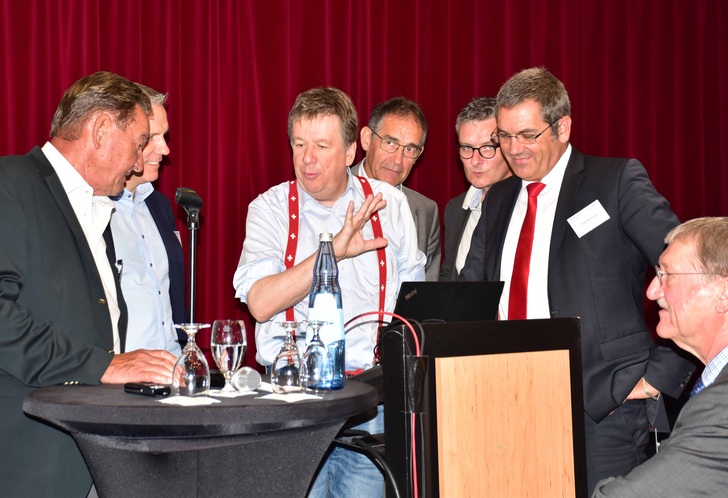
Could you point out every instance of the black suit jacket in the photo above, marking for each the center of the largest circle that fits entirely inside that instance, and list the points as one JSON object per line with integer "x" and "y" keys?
{"x": 599, "y": 277}
{"x": 455, "y": 220}
{"x": 161, "y": 211}
{"x": 55, "y": 327}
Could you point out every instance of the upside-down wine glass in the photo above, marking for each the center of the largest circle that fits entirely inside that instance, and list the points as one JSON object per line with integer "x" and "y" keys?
{"x": 317, "y": 369}
{"x": 228, "y": 348}
{"x": 191, "y": 375}
{"x": 286, "y": 371}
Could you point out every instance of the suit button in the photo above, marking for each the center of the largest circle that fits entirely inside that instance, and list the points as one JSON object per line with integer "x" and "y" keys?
{"x": 102, "y": 301}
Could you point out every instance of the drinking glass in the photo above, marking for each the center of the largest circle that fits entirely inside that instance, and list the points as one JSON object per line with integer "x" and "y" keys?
{"x": 227, "y": 343}
{"x": 317, "y": 368}
{"x": 285, "y": 374}
{"x": 191, "y": 375}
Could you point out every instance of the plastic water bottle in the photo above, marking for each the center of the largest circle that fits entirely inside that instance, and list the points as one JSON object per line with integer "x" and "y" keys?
{"x": 324, "y": 303}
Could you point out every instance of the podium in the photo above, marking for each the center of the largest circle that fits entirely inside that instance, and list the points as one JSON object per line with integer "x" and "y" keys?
{"x": 497, "y": 408}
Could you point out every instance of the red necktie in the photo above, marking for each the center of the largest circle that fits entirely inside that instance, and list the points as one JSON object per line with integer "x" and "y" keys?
{"x": 517, "y": 300}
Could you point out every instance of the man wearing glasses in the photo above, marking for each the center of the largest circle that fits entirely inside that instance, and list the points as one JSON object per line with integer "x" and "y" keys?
{"x": 393, "y": 141}
{"x": 691, "y": 289}
{"x": 572, "y": 235}
{"x": 484, "y": 165}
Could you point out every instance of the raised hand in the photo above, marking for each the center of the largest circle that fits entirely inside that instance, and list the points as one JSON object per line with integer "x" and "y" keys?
{"x": 350, "y": 242}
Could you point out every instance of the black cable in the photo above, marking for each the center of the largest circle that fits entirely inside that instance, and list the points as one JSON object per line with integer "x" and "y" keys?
{"x": 358, "y": 442}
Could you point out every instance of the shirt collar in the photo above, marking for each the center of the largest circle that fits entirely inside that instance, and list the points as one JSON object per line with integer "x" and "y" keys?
{"x": 473, "y": 198}
{"x": 70, "y": 178}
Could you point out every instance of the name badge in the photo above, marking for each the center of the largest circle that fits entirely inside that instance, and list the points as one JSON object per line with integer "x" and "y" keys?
{"x": 588, "y": 219}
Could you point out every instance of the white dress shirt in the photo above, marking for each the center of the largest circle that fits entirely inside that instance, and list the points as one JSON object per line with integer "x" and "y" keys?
{"x": 93, "y": 213}
{"x": 144, "y": 274}
{"x": 538, "y": 296}
{"x": 266, "y": 237}
{"x": 472, "y": 202}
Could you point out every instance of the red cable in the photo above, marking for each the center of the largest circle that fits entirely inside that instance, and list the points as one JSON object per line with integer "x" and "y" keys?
{"x": 413, "y": 439}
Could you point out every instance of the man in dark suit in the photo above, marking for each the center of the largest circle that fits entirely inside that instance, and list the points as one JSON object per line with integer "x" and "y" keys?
{"x": 595, "y": 226}
{"x": 691, "y": 288}
{"x": 484, "y": 165}
{"x": 147, "y": 242}
{"x": 393, "y": 140}
{"x": 62, "y": 315}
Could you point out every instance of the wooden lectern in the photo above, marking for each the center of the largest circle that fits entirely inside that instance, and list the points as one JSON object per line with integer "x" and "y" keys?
{"x": 498, "y": 409}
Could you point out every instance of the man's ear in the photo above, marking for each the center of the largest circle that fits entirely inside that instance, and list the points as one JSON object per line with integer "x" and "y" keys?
{"x": 351, "y": 153}
{"x": 366, "y": 137}
{"x": 100, "y": 125}
{"x": 721, "y": 304}
{"x": 564, "y": 129}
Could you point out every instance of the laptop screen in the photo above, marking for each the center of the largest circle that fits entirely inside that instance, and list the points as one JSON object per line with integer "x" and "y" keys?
{"x": 449, "y": 301}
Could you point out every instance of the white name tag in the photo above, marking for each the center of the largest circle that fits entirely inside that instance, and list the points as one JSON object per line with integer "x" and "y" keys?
{"x": 176, "y": 232}
{"x": 588, "y": 219}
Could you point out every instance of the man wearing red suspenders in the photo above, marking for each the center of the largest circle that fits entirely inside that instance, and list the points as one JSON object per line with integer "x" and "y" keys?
{"x": 274, "y": 275}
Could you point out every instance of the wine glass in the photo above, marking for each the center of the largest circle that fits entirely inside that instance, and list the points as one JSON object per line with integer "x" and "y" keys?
{"x": 191, "y": 372}
{"x": 317, "y": 369}
{"x": 227, "y": 343}
{"x": 285, "y": 374}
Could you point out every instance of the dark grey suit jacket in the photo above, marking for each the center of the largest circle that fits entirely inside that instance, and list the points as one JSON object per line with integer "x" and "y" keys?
{"x": 599, "y": 277}
{"x": 55, "y": 326}
{"x": 427, "y": 223}
{"x": 693, "y": 461}
{"x": 455, "y": 220}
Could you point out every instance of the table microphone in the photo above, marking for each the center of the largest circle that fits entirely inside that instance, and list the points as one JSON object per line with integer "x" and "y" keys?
{"x": 246, "y": 379}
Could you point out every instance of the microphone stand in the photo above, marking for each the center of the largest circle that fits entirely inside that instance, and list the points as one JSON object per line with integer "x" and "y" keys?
{"x": 191, "y": 202}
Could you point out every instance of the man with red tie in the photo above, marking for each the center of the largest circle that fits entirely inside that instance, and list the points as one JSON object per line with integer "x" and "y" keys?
{"x": 573, "y": 235}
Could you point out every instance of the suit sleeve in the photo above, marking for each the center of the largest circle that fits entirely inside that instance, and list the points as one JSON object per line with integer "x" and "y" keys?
{"x": 646, "y": 218}
{"x": 692, "y": 462}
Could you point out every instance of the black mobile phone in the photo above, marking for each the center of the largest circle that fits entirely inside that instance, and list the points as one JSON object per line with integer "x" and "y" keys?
{"x": 147, "y": 389}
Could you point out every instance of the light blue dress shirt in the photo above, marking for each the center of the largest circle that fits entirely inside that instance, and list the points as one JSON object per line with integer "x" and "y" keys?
{"x": 144, "y": 273}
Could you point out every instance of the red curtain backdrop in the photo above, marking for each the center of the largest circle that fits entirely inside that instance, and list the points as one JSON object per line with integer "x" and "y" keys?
{"x": 647, "y": 79}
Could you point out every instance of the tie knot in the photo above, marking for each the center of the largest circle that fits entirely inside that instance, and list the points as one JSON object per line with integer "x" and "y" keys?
{"x": 535, "y": 188}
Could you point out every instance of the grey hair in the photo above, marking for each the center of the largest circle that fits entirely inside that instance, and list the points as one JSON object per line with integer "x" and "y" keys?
{"x": 539, "y": 85}
{"x": 99, "y": 92}
{"x": 709, "y": 235}
{"x": 478, "y": 109}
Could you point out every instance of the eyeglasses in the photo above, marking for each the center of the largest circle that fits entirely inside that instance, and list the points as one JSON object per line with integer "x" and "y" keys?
{"x": 522, "y": 138}
{"x": 389, "y": 145}
{"x": 662, "y": 274}
{"x": 486, "y": 151}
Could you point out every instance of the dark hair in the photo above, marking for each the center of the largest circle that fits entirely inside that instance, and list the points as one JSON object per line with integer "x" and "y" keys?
{"x": 102, "y": 91}
{"x": 539, "y": 85}
{"x": 326, "y": 101}
{"x": 478, "y": 109}
{"x": 401, "y": 108}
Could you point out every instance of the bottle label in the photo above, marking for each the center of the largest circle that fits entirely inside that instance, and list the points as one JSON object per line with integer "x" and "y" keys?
{"x": 326, "y": 307}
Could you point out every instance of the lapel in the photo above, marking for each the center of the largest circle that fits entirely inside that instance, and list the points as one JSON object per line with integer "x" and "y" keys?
{"x": 497, "y": 217}
{"x": 123, "y": 317}
{"x": 569, "y": 187}
{"x": 461, "y": 219}
{"x": 55, "y": 187}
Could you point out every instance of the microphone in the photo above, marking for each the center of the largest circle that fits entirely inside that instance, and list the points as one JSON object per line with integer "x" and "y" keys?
{"x": 188, "y": 199}
{"x": 246, "y": 379}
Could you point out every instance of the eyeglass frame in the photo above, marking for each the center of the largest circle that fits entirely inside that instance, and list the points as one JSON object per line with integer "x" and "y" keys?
{"x": 493, "y": 146}
{"x": 660, "y": 274}
{"x": 498, "y": 136}
{"x": 398, "y": 145}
